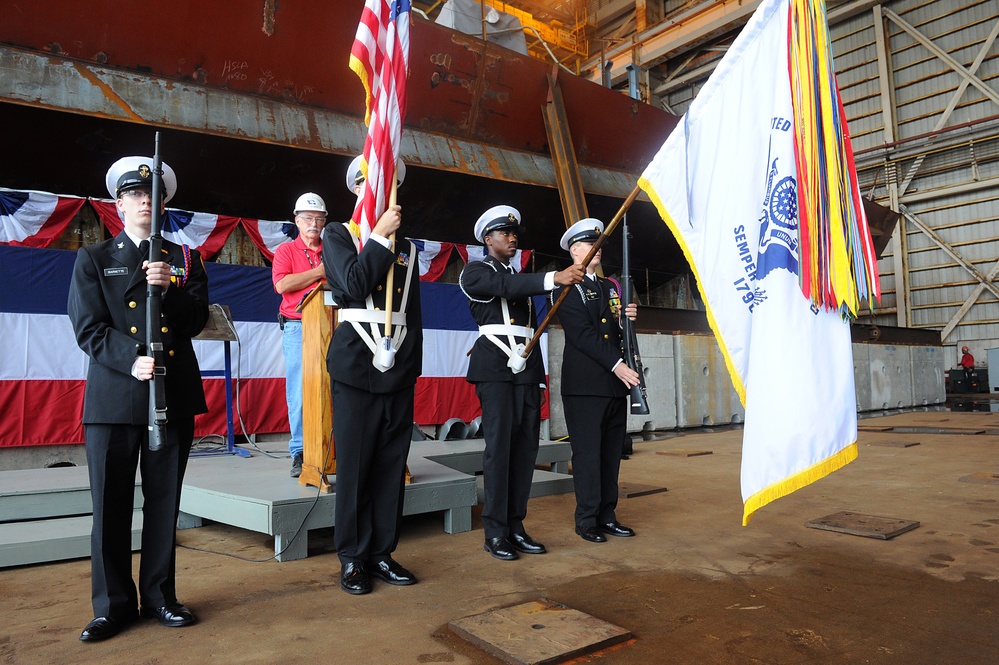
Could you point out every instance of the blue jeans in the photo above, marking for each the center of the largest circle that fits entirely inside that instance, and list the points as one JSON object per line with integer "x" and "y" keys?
{"x": 291, "y": 343}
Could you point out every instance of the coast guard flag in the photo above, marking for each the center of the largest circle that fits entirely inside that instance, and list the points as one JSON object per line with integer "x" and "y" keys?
{"x": 727, "y": 183}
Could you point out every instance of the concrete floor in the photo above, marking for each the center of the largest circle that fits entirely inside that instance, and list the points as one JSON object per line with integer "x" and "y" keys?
{"x": 694, "y": 586}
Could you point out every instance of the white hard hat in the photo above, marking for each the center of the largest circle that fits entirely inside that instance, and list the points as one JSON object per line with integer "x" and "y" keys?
{"x": 497, "y": 217}
{"x": 588, "y": 229}
{"x": 131, "y": 172}
{"x": 311, "y": 202}
{"x": 355, "y": 176}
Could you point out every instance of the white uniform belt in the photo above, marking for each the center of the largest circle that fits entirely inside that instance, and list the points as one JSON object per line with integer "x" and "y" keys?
{"x": 503, "y": 329}
{"x": 357, "y": 315}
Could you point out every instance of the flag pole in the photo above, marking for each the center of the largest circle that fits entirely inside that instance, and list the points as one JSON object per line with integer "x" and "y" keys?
{"x": 390, "y": 277}
{"x": 597, "y": 244}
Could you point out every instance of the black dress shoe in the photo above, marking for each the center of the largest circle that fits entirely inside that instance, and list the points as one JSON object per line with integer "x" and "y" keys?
{"x": 616, "y": 529}
{"x": 101, "y": 628}
{"x": 390, "y": 571}
{"x": 501, "y": 548}
{"x": 174, "y": 615}
{"x": 591, "y": 534}
{"x": 354, "y": 579}
{"x": 524, "y": 543}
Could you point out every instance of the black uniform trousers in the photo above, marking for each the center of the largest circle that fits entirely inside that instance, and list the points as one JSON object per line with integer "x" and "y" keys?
{"x": 372, "y": 433}
{"x": 597, "y": 426}
{"x": 511, "y": 425}
{"x": 113, "y": 452}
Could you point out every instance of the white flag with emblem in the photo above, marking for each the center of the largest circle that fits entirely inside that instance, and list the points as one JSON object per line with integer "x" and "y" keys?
{"x": 726, "y": 183}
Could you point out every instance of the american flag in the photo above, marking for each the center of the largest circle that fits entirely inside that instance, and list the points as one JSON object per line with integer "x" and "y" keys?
{"x": 380, "y": 58}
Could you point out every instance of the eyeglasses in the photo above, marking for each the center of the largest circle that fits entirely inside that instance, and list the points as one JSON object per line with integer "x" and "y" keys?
{"x": 137, "y": 193}
{"x": 312, "y": 219}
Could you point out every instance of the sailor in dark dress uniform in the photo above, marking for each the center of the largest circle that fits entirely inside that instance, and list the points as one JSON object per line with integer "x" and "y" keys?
{"x": 107, "y": 307}
{"x": 595, "y": 383}
{"x": 372, "y": 391}
{"x": 509, "y": 387}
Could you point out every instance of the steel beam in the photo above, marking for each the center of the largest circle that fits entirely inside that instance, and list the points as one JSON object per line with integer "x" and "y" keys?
{"x": 900, "y": 251}
{"x": 955, "y": 98}
{"x": 950, "y": 251}
{"x": 693, "y": 27}
{"x": 942, "y": 55}
{"x": 53, "y": 82}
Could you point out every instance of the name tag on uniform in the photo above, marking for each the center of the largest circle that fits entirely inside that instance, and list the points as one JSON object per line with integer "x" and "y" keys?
{"x": 111, "y": 272}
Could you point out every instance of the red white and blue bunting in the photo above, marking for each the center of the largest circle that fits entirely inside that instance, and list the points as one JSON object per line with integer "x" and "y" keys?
{"x": 267, "y": 235}
{"x": 203, "y": 231}
{"x": 470, "y": 253}
{"x": 35, "y": 219}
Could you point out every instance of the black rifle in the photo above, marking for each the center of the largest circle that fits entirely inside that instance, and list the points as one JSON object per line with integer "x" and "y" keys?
{"x": 154, "y": 301}
{"x": 638, "y": 398}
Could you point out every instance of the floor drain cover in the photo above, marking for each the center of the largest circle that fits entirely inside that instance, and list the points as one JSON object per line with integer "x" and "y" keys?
{"x": 538, "y": 632}
{"x": 683, "y": 453}
{"x": 868, "y": 526}
{"x": 983, "y": 477}
{"x": 631, "y": 490}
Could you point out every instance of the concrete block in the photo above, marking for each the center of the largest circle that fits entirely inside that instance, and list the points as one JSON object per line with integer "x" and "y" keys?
{"x": 891, "y": 376}
{"x": 704, "y": 392}
{"x": 928, "y": 365}
{"x": 862, "y": 376}
{"x": 657, "y": 359}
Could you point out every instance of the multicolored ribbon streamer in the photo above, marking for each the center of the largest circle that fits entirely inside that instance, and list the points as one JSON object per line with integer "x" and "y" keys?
{"x": 838, "y": 264}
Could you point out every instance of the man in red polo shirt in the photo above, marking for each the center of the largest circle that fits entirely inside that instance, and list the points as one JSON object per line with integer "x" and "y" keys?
{"x": 296, "y": 270}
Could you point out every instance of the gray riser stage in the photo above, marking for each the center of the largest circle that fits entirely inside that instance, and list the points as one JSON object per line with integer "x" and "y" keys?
{"x": 45, "y": 515}
{"x": 544, "y": 483}
{"x": 465, "y": 455}
{"x": 57, "y": 539}
{"x": 36, "y": 494}
{"x": 254, "y": 494}
{"x": 258, "y": 495}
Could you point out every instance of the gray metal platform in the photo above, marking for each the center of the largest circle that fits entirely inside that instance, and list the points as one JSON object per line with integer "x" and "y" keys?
{"x": 258, "y": 495}
{"x": 45, "y": 514}
{"x": 466, "y": 454}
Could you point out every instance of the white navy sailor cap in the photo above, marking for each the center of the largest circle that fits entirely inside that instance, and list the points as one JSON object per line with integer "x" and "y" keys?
{"x": 355, "y": 176}
{"x": 131, "y": 172}
{"x": 497, "y": 217}
{"x": 585, "y": 229}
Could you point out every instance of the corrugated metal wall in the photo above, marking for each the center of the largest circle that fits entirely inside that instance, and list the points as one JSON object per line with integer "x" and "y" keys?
{"x": 908, "y": 69}
{"x": 900, "y": 93}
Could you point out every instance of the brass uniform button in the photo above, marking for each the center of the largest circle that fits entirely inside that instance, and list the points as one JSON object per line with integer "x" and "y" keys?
{"x": 164, "y": 329}
{"x": 606, "y": 336}
{"x": 399, "y": 290}
{"x": 132, "y": 304}
{"x": 379, "y": 288}
{"x": 378, "y": 308}
{"x": 603, "y": 320}
{"x": 133, "y": 330}
{"x": 171, "y": 352}
{"x": 511, "y": 321}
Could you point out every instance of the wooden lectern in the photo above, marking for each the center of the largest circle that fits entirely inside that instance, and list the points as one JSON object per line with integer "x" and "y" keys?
{"x": 318, "y": 451}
